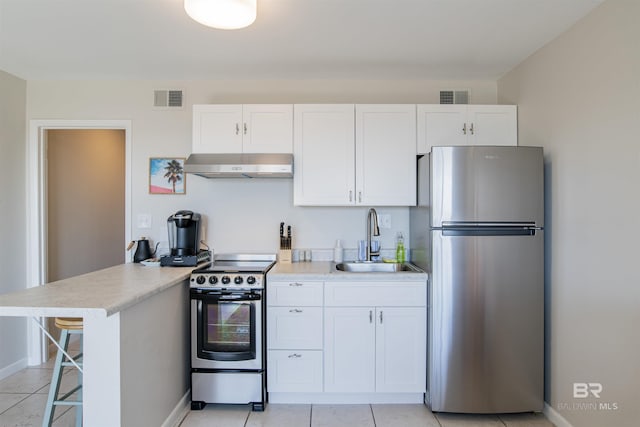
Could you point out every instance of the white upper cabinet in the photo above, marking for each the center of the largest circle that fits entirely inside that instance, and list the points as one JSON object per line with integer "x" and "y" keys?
{"x": 349, "y": 155}
{"x": 253, "y": 128}
{"x": 386, "y": 155}
{"x": 324, "y": 154}
{"x": 455, "y": 124}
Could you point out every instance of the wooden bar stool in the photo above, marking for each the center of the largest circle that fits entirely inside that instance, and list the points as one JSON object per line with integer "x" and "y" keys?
{"x": 68, "y": 326}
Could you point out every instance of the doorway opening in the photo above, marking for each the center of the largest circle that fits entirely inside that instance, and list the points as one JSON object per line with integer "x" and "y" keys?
{"x": 79, "y": 203}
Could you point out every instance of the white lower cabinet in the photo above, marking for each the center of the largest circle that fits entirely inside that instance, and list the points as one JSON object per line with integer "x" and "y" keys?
{"x": 294, "y": 371}
{"x": 296, "y": 327}
{"x": 294, "y": 336}
{"x": 381, "y": 349}
{"x": 349, "y": 346}
{"x": 401, "y": 349}
{"x": 346, "y": 341}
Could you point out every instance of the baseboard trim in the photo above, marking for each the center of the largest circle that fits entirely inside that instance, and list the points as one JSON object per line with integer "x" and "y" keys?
{"x": 13, "y": 368}
{"x": 554, "y": 416}
{"x": 179, "y": 412}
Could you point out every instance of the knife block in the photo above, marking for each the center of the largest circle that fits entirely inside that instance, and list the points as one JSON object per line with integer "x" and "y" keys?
{"x": 284, "y": 256}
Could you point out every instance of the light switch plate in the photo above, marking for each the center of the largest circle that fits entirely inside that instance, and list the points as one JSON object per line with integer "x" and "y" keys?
{"x": 384, "y": 220}
{"x": 144, "y": 221}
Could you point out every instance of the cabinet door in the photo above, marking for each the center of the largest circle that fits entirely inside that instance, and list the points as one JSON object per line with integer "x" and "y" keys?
{"x": 386, "y": 155}
{"x": 217, "y": 128}
{"x": 294, "y": 293}
{"x": 401, "y": 349}
{"x": 493, "y": 124}
{"x": 349, "y": 350}
{"x": 294, "y": 371}
{"x": 441, "y": 124}
{"x": 294, "y": 328}
{"x": 267, "y": 128}
{"x": 324, "y": 155}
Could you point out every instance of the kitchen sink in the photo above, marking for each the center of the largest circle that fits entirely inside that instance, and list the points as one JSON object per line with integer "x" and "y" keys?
{"x": 376, "y": 267}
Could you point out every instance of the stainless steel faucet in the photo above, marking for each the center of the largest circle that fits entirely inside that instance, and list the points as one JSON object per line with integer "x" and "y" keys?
{"x": 376, "y": 232}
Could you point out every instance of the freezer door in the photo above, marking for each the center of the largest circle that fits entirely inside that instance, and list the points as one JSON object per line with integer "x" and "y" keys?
{"x": 486, "y": 184}
{"x": 486, "y": 323}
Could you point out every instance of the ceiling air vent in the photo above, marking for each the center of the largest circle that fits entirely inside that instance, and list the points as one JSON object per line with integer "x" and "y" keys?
{"x": 167, "y": 99}
{"x": 454, "y": 97}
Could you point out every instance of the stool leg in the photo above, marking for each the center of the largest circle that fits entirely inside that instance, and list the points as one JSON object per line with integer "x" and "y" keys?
{"x": 79, "y": 392}
{"x": 56, "y": 378}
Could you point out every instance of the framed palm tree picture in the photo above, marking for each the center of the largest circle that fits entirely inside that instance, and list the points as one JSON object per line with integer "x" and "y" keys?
{"x": 166, "y": 175}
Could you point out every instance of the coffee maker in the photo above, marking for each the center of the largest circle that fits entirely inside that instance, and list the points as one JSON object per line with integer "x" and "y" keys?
{"x": 184, "y": 240}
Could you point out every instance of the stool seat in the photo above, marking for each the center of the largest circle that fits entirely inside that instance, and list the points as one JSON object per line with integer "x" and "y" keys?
{"x": 74, "y": 323}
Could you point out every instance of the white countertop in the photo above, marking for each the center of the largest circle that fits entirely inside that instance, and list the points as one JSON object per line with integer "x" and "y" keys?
{"x": 324, "y": 270}
{"x": 99, "y": 293}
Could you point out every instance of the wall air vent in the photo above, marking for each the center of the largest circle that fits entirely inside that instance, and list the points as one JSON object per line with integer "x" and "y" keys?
{"x": 454, "y": 97}
{"x": 163, "y": 99}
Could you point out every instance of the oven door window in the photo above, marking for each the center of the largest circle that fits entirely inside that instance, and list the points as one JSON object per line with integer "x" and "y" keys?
{"x": 227, "y": 330}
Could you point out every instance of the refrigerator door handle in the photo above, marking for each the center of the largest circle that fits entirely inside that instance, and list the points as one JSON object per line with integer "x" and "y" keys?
{"x": 489, "y": 231}
{"x": 472, "y": 224}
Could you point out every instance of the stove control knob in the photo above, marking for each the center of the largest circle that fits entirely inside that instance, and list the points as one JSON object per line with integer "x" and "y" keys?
{"x": 251, "y": 280}
{"x": 238, "y": 280}
{"x": 213, "y": 280}
{"x": 200, "y": 280}
{"x": 225, "y": 280}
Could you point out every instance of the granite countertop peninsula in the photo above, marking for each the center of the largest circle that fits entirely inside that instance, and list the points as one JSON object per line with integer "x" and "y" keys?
{"x": 99, "y": 293}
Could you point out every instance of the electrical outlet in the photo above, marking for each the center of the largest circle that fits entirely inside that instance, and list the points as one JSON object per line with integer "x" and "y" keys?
{"x": 144, "y": 221}
{"x": 384, "y": 220}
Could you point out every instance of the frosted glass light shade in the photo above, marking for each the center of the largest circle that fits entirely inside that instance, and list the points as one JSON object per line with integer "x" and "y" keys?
{"x": 224, "y": 14}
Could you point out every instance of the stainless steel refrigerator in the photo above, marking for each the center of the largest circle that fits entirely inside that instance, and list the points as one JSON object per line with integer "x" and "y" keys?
{"x": 478, "y": 229}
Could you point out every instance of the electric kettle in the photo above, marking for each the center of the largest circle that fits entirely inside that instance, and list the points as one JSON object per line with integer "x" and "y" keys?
{"x": 143, "y": 250}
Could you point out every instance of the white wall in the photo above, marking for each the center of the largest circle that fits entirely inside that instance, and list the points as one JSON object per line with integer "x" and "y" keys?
{"x": 241, "y": 215}
{"x": 578, "y": 97}
{"x": 13, "y": 350}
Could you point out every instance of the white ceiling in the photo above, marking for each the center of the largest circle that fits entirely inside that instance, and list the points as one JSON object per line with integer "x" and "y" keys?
{"x": 364, "y": 39}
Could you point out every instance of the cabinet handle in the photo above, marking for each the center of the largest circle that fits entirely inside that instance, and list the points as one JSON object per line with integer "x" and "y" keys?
{"x": 381, "y": 317}
{"x": 464, "y": 129}
{"x": 359, "y": 196}
{"x": 351, "y": 195}
{"x": 295, "y": 310}
{"x": 237, "y": 128}
{"x": 295, "y": 284}
{"x": 295, "y": 356}
{"x": 370, "y": 316}
{"x": 471, "y": 129}
{"x": 245, "y": 128}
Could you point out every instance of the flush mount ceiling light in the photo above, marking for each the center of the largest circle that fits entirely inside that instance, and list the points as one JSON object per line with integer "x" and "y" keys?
{"x": 223, "y": 14}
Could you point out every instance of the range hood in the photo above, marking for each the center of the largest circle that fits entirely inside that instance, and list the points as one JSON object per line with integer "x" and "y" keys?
{"x": 254, "y": 165}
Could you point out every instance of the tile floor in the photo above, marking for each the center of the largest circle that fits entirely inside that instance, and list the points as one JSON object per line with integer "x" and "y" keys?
{"x": 24, "y": 394}
{"x": 278, "y": 415}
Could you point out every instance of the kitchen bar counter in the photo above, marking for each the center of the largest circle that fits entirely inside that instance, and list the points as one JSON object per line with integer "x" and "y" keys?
{"x": 325, "y": 270}
{"x": 103, "y": 292}
{"x": 135, "y": 339}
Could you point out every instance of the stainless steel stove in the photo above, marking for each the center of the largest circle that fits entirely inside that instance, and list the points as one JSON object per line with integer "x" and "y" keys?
{"x": 227, "y": 334}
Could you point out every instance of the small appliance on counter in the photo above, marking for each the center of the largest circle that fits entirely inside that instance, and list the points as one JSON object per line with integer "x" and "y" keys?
{"x": 184, "y": 241}
{"x": 143, "y": 250}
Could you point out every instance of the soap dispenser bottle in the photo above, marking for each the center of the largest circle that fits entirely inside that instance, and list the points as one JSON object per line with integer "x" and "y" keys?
{"x": 400, "y": 250}
{"x": 337, "y": 251}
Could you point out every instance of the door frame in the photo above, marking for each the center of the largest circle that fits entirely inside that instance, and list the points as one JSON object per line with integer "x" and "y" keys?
{"x": 37, "y": 210}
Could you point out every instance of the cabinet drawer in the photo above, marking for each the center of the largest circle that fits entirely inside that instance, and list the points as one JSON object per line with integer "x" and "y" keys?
{"x": 366, "y": 294}
{"x": 294, "y": 327}
{"x": 294, "y": 293}
{"x": 294, "y": 371}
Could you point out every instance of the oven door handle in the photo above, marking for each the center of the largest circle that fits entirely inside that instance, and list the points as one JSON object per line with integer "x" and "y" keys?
{"x": 219, "y": 296}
